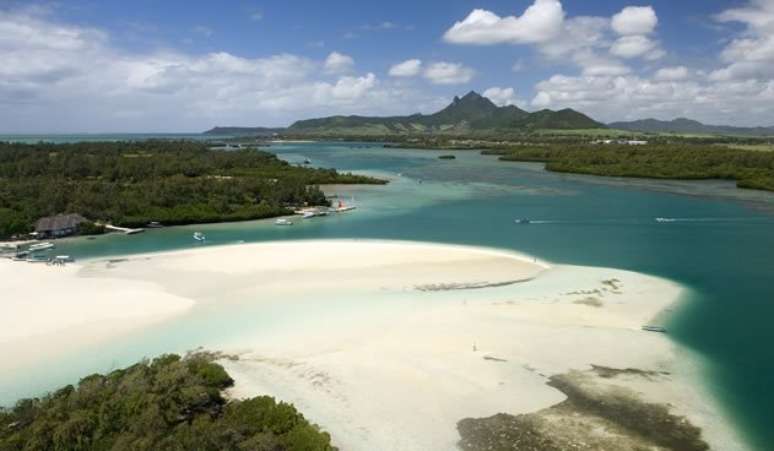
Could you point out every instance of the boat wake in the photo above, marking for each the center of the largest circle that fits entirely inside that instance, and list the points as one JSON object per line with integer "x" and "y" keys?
{"x": 714, "y": 220}
{"x": 644, "y": 221}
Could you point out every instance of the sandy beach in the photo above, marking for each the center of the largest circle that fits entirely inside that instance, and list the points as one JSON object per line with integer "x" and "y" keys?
{"x": 386, "y": 345}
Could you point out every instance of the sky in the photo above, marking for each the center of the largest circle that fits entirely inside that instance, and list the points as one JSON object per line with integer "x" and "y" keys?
{"x": 99, "y": 66}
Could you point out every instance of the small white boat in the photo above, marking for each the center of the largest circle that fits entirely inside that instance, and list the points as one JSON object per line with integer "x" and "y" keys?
{"x": 309, "y": 214}
{"x": 283, "y": 222}
{"x": 199, "y": 236}
{"x": 41, "y": 247}
{"x": 523, "y": 221}
{"x": 665, "y": 220}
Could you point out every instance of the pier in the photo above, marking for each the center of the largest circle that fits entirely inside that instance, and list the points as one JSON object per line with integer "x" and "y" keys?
{"x": 124, "y": 230}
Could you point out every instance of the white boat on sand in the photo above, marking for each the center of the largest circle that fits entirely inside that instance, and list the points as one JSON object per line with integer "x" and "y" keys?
{"x": 41, "y": 247}
{"x": 341, "y": 208}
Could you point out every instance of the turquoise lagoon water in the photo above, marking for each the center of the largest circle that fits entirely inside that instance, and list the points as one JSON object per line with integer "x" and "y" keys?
{"x": 720, "y": 245}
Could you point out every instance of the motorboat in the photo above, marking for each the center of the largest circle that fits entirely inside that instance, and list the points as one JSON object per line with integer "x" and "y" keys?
{"x": 199, "y": 236}
{"x": 523, "y": 221}
{"x": 283, "y": 222}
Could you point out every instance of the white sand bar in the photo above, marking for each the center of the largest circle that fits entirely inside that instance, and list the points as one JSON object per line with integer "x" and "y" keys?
{"x": 386, "y": 345}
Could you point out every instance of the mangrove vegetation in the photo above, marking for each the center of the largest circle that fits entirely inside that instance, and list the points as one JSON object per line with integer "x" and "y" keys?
{"x": 750, "y": 169}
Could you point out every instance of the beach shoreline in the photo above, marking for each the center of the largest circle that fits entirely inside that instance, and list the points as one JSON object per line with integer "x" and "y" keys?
{"x": 342, "y": 329}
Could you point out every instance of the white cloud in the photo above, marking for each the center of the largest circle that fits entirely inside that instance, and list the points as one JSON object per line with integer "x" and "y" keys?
{"x": 542, "y": 100}
{"x": 596, "y": 66}
{"x": 540, "y": 22}
{"x": 671, "y": 73}
{"x": 613, "y": 97}
{"x": 740, "y": 92}
{"x": 337, "y": 63}
{"x": 444, "y": 73}
{"x": 578, "y": 34}
{"x": 593, "y": 63}
{"x": 503, "y": 96}
{"x": 750, "y": 55}
{"x": 632, "y": 46}
{"x": 346, "y": 88}
{"x": 627, "y": 97}
{"x": 57, "y": 77}
{"x": 595, "y": 44}
{"x": 408, "y": 68}
{"x": 637, "y": 20}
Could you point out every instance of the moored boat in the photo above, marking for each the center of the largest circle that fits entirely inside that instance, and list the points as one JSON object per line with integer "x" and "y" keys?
{"x": 199, "y": 236}
{"x": 283, "y": 222}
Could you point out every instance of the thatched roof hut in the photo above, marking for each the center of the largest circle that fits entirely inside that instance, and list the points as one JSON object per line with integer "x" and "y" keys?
{"x": 59, "y": 225}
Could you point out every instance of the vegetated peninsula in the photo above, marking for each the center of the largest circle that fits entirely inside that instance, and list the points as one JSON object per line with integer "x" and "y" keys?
{"x": 750, "y": 169}
{"x": 688, "y": 126}
{"x": 134, "y": 183}
{"x": 167, "y": 403}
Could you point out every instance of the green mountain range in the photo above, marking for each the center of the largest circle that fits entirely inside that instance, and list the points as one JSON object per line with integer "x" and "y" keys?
{"x": 470, "y": 113}
{"x": 688, "y": 126}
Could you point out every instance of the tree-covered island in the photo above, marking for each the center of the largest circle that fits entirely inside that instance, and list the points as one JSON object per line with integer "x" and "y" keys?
{"x": 134, "y": 183}
{"x": 169, "y": 403}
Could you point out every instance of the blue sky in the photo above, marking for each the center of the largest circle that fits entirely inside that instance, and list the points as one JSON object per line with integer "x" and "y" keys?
{"x": 115, "y": 66}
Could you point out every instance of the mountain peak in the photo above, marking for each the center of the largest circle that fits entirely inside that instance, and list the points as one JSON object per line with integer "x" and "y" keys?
{"x": 470, "y": 97}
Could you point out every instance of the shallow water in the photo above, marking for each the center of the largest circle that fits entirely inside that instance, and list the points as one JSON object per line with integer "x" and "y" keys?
{"x": 718, "y": 243}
